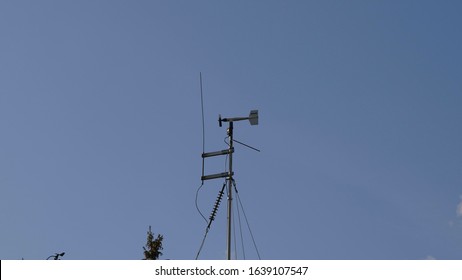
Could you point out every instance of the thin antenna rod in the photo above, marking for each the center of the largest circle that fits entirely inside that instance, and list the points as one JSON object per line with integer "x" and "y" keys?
{"x": 203, "y": 124}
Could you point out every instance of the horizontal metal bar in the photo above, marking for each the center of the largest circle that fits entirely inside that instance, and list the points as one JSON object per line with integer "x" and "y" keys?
{"x": 234, "y": 119}
{"x": 216, "y": 176}
{"x": 219, "y": 153}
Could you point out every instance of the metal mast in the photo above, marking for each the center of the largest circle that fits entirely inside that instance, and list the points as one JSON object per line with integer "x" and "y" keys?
{"x": 253, "y": 119}
{"x": 230, "y": 188}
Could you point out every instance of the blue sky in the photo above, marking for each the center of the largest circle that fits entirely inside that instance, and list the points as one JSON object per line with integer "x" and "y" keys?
{"x": 360, "y": 111}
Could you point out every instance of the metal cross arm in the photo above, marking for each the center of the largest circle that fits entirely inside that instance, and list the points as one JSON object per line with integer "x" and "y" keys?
{"x": 218, "y": 175}
{"x": 218, "y": 153}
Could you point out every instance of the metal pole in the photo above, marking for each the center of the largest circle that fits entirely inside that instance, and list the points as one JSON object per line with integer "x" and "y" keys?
{"x": 230, "y": 187}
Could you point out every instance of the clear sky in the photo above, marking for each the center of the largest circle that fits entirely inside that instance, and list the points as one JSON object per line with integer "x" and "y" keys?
{"x": 360, "y": 127}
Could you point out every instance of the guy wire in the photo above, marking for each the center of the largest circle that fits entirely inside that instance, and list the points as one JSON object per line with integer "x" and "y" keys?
{"x": 240, "y": 229}
{"x": 246, "y": 220}
{"x": 234, "y": 237}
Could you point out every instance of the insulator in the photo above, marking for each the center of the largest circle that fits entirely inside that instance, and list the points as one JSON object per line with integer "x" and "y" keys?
{"x": 217, "y": 204}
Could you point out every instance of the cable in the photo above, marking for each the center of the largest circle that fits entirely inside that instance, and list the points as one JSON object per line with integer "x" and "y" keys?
{"x": 212, "y": 217}
{"x": 203, "y": 147}
{"x": 197, "y": 206}
{"x": 203, "y": 241}
{"x": 247, "y": 221}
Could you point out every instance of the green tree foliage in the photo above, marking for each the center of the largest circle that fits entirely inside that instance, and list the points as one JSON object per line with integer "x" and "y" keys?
{"x": 153, "y": 248}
